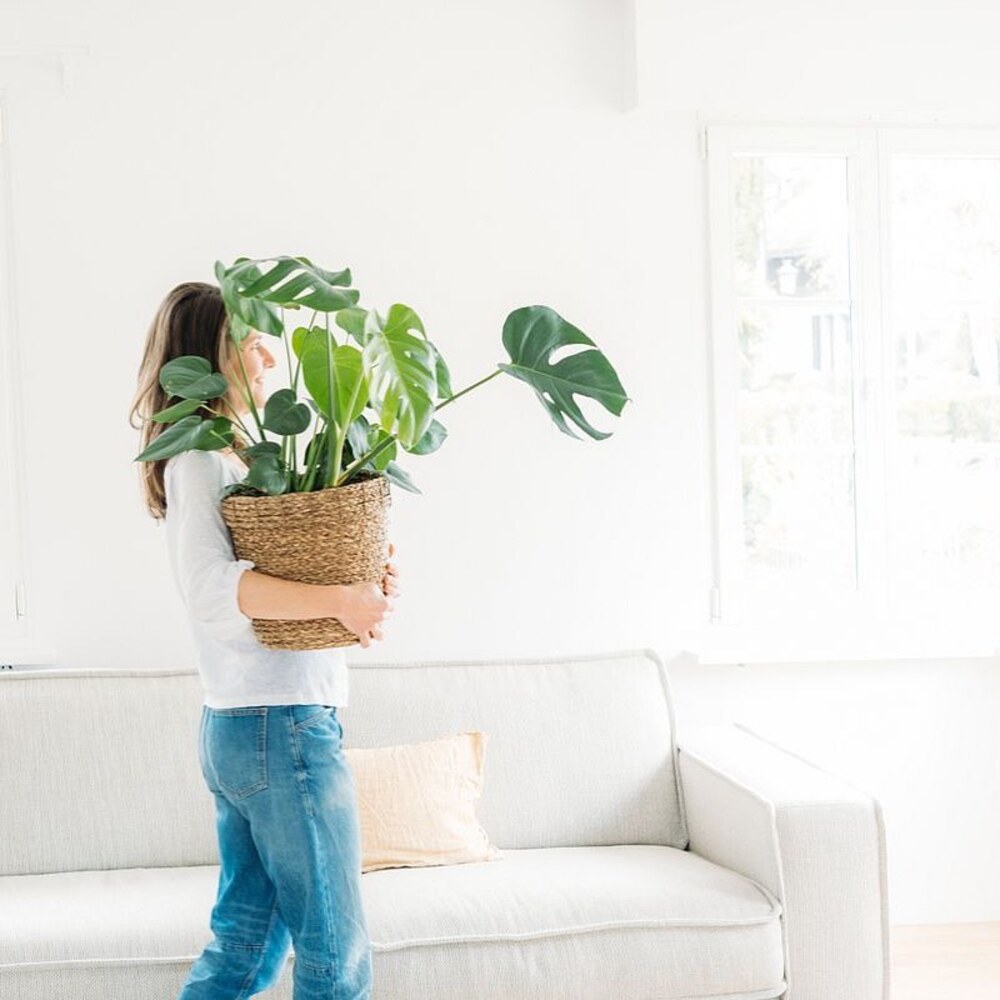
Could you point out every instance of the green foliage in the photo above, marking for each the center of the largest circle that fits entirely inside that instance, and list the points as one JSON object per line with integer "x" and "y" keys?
{"x": 372, "y": 392}
{"x": 531, "y": 335}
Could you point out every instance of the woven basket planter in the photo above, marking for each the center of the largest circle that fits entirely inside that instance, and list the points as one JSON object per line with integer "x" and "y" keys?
{"x": 334, "y": 535}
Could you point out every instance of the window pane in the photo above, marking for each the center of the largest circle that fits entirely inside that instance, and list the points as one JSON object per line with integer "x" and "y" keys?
{"x": 796, "y": 381}
{"x": 944, "y": 503}
{"x": 795, "y": 376}
{"x": 798, "y": 510}
{"x": 945, "y": 228}
{"x": 790, "y": 226}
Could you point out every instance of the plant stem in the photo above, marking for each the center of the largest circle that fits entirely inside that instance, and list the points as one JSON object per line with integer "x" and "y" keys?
{"x": 333, "y": 443}
{"x": 314, "y": 468}
{"x": 451, "y": 399}
{"x": 357, "y": 463}
{"x": 338, "y": 478}
{"x": 249, "y": 397}
{"x": 307, "y": 476}
{"x": 288, "y": 443}
{"x": 233, "y": 419}
{"x": 379, "y": 448}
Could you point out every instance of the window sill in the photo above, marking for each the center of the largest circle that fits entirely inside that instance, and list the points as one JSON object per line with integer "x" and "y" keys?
{"x": 781, "y": 643}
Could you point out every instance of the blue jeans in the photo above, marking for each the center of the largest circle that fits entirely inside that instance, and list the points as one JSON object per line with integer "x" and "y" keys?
{"x": 290, "y": 851}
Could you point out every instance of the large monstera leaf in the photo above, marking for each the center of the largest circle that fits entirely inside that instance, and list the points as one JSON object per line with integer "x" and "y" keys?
{"x": 403, "y": 370}
{"x": 355, "y": 321}
{"x": 348, "y": 379}
{"x": 531, "y": 335}
{"x": 293, "y": 282}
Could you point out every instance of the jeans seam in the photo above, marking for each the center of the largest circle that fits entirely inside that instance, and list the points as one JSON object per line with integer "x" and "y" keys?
{"x": 298, "y": 726}
{"x": 252, "y": 974}
{"x": 310, "y": 812}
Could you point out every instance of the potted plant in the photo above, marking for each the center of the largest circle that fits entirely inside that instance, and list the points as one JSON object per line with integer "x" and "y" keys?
{"x": 372, "y": 384}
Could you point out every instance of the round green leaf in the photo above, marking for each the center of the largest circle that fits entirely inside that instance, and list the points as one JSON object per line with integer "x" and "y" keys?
{"x": 284, "y": 415}
{"x": 191, "y": 377}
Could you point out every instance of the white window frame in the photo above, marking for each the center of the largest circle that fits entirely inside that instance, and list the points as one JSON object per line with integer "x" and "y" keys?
{"x": 805, "y": 623}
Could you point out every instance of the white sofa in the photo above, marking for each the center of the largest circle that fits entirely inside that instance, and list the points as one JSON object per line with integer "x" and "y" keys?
{"x": 637, "y": 866}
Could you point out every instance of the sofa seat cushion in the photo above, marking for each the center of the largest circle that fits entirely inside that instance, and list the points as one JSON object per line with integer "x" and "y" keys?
{"x": 577, "y": 923}
{"x": 635, "y": 920}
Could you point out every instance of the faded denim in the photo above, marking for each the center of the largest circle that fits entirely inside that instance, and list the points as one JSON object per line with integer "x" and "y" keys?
{"x": 290, "y": 851}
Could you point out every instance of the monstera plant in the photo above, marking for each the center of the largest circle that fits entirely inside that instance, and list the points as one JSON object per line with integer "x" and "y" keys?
{"x": 371, "y": 392}
{"x": 373, "y": 385}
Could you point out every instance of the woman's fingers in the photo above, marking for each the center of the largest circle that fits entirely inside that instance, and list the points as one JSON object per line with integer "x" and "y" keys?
{"x": 389, "y": 589}
{"x": 391, "y": 576}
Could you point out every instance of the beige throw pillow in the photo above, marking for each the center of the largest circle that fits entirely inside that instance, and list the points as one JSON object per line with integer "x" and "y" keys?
{"x": 416, "y": 802}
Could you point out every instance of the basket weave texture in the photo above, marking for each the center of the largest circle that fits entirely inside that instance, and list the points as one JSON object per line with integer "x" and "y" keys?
{"x": 336, "y": 535}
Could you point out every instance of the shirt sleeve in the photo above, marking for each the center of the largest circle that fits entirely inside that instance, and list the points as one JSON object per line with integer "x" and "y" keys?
{"x": 205, "y": 567}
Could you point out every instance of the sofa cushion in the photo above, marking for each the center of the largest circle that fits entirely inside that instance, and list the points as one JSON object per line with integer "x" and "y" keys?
{"x": 417, "y": 802}
{"x": 582, "y": 751}
{"x": 101, "y": 771}
{"x": 101, "y": 766}
{"x": 585, "y": 923}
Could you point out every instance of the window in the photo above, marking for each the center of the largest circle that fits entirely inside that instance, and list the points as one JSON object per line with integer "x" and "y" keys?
{"x": 855, "y": 278}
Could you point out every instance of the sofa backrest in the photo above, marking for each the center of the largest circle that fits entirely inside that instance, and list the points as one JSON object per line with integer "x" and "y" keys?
{"x": 100, "y": 767}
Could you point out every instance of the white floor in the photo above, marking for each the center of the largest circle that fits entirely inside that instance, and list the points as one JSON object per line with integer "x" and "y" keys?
{"x": 945, "y": 962}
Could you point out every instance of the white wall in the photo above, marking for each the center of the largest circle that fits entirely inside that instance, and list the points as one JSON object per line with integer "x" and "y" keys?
{"x": 468, "y": 158}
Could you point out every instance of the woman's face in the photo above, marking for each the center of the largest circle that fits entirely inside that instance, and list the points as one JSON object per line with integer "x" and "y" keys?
{"x": 256, "y": 360}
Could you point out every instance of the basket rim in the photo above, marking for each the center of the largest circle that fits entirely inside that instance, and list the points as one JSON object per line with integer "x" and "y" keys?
{"x": 367, "y": 480}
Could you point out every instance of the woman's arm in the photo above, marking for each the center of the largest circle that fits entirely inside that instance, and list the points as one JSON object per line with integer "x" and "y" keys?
{"x": 221, "y": 592}
{"x": 263, "y": 596}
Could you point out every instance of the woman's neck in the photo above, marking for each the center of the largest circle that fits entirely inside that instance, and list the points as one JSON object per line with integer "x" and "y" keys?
{"x": 229, "y": 453}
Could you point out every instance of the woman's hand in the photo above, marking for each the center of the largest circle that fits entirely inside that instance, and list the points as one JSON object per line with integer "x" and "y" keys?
{"x": 365, "y": 606}
{"x": 391, "y": 576}
{"x": 362, "y": 608}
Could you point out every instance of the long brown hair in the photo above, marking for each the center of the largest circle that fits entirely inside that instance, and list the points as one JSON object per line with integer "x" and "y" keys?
{"x": 190, "y": 320}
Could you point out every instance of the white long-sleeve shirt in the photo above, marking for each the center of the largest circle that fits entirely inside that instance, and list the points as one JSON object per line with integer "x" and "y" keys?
{"x": 236, "y": 669}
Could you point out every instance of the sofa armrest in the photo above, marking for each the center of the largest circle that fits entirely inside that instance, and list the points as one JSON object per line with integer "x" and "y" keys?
{"x": 815, "y": 841}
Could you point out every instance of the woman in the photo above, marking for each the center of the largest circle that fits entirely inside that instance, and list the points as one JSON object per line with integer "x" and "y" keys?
{"x": 270, "y": 743}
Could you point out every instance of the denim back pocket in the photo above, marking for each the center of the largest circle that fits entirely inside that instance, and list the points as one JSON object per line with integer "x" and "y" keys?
{"x": 236, "y": 749}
